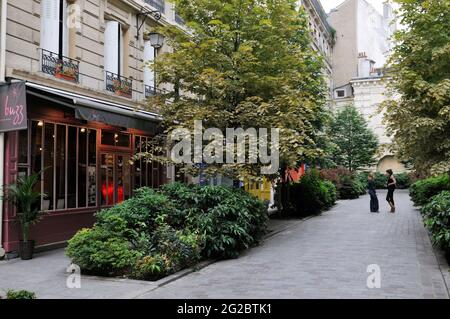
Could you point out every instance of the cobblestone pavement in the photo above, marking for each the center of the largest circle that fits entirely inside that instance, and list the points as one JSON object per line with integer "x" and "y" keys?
{"x": 322, "y": 257}
{"x": 327, "y": 257}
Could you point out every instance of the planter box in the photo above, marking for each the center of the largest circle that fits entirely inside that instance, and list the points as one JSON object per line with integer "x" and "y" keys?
{"x": 124, "y": 94}
{"x": 70, "y": 78}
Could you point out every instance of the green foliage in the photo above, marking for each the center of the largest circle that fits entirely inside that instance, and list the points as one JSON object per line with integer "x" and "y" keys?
{"x": 20, "y": 294}
{"x": 230, "y": 220}
{"x": 22, "y": 193}
{"x": 348, "y": 184}
{"x": 437, "y": 219}
{"x": 311, "y": 195}
{"x": 419, "y": 119}
{"x": 159, "y": 232}
{"x": 246, "y": 64}
{"x": 423, "y": 190}
{"x": 103, "y": 249}
{"x": 355, "y": 144}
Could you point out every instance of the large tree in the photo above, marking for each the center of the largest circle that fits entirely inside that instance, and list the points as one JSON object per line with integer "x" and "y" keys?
{"x": 244, "y": 63}
{"x": 419, "y": 119}
{"x": 354, "y": 143}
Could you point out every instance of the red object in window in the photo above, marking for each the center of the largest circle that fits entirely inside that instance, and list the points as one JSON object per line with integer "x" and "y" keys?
{"x": 111, "y": 193}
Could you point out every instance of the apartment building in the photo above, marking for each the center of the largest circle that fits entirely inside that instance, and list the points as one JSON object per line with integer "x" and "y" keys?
{"x": 322, "y": 35}
{"x": 80, "y": 64}
{"x": 359, "y": 57}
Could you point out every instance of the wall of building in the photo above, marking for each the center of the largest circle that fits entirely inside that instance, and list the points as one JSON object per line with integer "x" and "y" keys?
{"x": 373, "y": 32}
{"x": 345, "y": 53}
{"x": 23, "y": 54}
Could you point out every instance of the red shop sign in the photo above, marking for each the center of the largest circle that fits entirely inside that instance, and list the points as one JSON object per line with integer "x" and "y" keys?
{"x": 13, "y": 107}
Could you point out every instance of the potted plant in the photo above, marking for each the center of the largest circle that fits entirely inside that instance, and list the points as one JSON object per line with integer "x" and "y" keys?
{"x": 26, "y": 199}
{"x": 122, "y": 88}
{"x": 68, "y": 73}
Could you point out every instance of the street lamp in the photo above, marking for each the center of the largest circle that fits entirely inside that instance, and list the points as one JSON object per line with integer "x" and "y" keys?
{"x": 156, "y": 41}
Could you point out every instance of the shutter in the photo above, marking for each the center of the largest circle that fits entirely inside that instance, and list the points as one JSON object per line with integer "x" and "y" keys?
{"x": 50, "y": 25}
{"x": 149, "y": 56}
{"x": 111, "y": 47}
{"x": 65, "y": 30}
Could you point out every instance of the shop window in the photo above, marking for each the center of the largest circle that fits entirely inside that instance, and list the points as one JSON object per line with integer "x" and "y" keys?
{"x": 60, "y": 167}
{"x": 49, "y": 156}
{"x": 115, "y": 139}
{"x": 68, "y": 154}
{"x": 71, "y": 167}
{"x": 82, "y": 163}
{"x": 146, "y": 172}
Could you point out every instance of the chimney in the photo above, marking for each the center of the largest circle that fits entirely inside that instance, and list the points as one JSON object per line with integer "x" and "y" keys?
{"x": 364, "y": 65}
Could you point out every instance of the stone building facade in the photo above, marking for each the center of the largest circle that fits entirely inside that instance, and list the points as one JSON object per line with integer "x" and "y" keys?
{"x": 82, "y": 63}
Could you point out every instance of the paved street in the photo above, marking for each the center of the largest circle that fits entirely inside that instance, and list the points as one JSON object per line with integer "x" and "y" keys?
{"x": 323, "y": 257}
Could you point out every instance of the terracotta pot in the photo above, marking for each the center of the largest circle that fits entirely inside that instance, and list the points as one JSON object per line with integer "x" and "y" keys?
{"x": 26, "y": 249}
{"x": 124, "y": 94}
{"x": 65, "y": 77}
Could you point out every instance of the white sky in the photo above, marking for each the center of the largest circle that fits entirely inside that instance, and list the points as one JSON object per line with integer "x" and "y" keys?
{"x": 330, "y": 4}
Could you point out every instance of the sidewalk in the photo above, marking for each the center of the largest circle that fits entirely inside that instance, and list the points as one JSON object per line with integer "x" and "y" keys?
{"x": 46, "y": 275}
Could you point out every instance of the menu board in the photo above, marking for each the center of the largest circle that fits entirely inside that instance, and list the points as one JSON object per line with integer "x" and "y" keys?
{"x": 13, "y": 107}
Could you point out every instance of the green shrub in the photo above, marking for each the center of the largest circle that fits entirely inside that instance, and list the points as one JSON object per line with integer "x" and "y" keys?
{"x": 20, "y": 294}
{"x": 142, "y": 212}
{"x": 158, "y": 232}
{"x": 183, "y": 248}
{"x": 103, "y": 250}
{"x": 151, "y": 267}
{"x": 403, "y": 180}
{"x": 348, "y": 189}
{"x": 230, "y": 220}
{"x": 437, "y": 219}
{"x": 422, "y": 190}
{"x": 331, "y": 194}
{"x": 348, "y": 184}
{"x": 311, "y": 195}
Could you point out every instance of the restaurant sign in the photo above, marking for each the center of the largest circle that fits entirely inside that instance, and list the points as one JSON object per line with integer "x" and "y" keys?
{"x": 13, "y": 107}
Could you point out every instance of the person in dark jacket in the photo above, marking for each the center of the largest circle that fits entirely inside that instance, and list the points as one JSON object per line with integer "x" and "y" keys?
{"x": 374, "y": 207}
{"x": 391, "y": 185}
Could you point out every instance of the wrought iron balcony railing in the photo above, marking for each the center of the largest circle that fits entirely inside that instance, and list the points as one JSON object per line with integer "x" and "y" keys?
{"x": 157, "y": 4}
{"x": 119, "y": 85}
{"x": 152, "y": 91}
{"x": 60, "y": 66}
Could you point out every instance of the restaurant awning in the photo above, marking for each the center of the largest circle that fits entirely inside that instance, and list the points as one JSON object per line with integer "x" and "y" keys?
{"x": 91, "y": 109}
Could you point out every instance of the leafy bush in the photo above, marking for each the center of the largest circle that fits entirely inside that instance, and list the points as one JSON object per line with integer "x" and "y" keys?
{"x": 403, "y": 180}
{"x": 311, "y": 194}
{"x": 437, "y": 219}
{"x": 422, "y": 190}
{"x": 230, "y": 220}
{"x": 347, "y": 183}
{"x": 158, "y": 232}
{"x": 20, "y": 294}
{"x": 103, "y": 249}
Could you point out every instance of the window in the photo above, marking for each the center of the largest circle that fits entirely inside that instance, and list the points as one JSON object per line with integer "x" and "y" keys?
{"x": 113, "y": 47}
{"x": 115, "y": 139}
{"x": 146, "y": 173}
{"x": 54, "y": 32}
{"x": 68, "y": 154}
{"x": 340, "y": 93}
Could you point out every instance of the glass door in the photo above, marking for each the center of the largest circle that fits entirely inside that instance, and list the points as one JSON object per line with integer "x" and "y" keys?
{"x": 115, "y": 178}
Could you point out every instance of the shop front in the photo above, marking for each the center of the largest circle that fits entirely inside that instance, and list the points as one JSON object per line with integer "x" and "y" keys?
{"x": 84, "y": 149}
